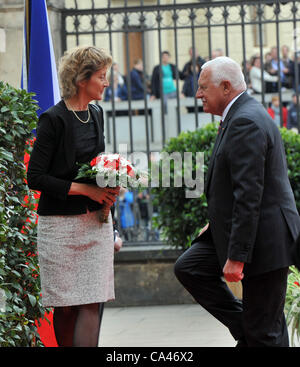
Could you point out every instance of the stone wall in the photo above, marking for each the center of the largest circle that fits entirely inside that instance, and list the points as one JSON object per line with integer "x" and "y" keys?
{"x": 144, "y": 276}
{"x": 11, "y": 37}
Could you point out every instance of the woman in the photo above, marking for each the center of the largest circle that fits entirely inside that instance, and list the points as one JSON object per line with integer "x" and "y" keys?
{"x": 75, "y": 249}
{"x": 256, "y": 76}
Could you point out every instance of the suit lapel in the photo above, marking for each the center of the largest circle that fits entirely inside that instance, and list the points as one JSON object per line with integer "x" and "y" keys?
{"x": 225, "y": 123}
{"x": 69, "y": 147}
{"x": 214, "y": 152}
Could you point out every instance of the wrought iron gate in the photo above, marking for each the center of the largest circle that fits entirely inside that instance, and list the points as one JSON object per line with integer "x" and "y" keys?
{"x": 144, "y": 29}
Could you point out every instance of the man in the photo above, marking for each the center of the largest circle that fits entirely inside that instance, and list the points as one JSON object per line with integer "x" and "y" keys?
{"x": 188, "y": 66}
{"x": 136, "y": 77}
{"x": 190, "y": 75}
{"x": 273, "y": 66}
{"x": 253, "y": 220}
{"x": 168, "y": 72}
{"x": 217, "y": 52}
{"x": 292, "y": 119}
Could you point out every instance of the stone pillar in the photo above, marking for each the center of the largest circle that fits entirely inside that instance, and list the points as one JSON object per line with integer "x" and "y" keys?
{"x": 11, "y": 36}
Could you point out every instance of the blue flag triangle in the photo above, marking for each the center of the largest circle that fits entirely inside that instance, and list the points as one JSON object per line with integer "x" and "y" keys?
{"x": 39, "y": 73}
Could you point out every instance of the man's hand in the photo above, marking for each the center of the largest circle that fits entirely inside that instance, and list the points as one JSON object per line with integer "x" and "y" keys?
{"x": 233, "y": 271}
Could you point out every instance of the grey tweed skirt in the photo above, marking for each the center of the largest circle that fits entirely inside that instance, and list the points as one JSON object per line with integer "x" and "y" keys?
{"x": 76, "y": 254}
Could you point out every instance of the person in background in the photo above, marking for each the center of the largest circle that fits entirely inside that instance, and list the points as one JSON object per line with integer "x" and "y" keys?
{"x": 246, "y": 72}
{"x": 189, "y": 86}
{"x": 126, "y": 214}
{"x": 119, "y": 91}
{"x": 274, "y": 112}
{"x": 188, "y": 67}
{"x": 121, "y": 79}
{"x": 169, "y": 71}
{"x": 273, "y": 66}
{"x": 292, "y": 121}
{"x": 287, "y": 62}
{"x": 217, "y": 53}
{"x": 143, "y": 202}
{"x": 295, "y": 71}
{"x": 137, "y": 80}
{"x": 255, "y": 76}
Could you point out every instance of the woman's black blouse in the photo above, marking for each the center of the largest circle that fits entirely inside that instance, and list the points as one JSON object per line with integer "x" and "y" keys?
{"x": 85, "y": 137}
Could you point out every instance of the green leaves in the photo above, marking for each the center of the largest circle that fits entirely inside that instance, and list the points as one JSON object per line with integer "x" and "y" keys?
{"x": 4, "y": 109}
{"x": 32, "y": 299}
{"x": 19, "y": 277}
{"x": 291, "y": 142}
{"x": 180, "y": 218}
{"x": 5, "y": 155}
{"x": 292, "y": 303}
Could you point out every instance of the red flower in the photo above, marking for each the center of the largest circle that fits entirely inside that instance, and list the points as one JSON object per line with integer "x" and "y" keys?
{"x": 130, "y": 171}
{"x": 297, "y": 284}
{"x": 112, "y": 164}
{"x": 93, "y": 162}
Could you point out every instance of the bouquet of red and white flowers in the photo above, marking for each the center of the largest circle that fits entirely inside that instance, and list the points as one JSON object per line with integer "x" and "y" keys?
{"x": 112, "y": 170}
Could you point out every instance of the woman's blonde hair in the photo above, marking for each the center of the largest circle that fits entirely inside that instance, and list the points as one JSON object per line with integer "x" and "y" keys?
{"x": 79, "y": 64}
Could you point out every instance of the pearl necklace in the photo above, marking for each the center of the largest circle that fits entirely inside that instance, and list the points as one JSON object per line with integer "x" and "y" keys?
{"x": 84, "y": 122}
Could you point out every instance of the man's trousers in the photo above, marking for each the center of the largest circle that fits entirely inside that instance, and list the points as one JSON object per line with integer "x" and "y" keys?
{"x": 258, "y": 319}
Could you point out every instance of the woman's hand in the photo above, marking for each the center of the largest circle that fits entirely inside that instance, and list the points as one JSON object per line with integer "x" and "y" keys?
{"x": 118, "y": 243}
{"x": 103, "y": 195}
{"x": 99, "y": 194}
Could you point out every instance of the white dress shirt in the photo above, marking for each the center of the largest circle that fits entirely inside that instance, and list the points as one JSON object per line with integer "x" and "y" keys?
{"x": 229, "y": 105}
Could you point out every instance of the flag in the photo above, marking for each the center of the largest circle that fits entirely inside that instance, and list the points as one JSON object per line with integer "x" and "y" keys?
{"x": 39, "y": 74}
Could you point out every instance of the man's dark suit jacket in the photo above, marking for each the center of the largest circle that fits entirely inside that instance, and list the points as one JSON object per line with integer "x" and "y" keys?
{"x": 155, "y": 79}
{"x": 252, "y": 212}
{"x": 52, "y": 166}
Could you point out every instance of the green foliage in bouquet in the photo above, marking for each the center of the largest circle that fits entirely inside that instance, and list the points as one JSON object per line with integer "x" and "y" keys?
{"x": 85, "y": 173}
{"x": 19, "y": 274}
{"x": 292, "y": 303}
{"x": 179, "y": 218}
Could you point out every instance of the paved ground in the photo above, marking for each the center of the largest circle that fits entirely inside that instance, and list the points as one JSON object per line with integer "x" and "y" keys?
{"x": 162, "y": 326}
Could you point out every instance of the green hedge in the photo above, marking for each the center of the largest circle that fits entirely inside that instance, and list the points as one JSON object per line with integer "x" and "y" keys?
{"x": 180, "y": 219}
{"x": 19, "y": 273}
{"x": 291, "y": 142}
